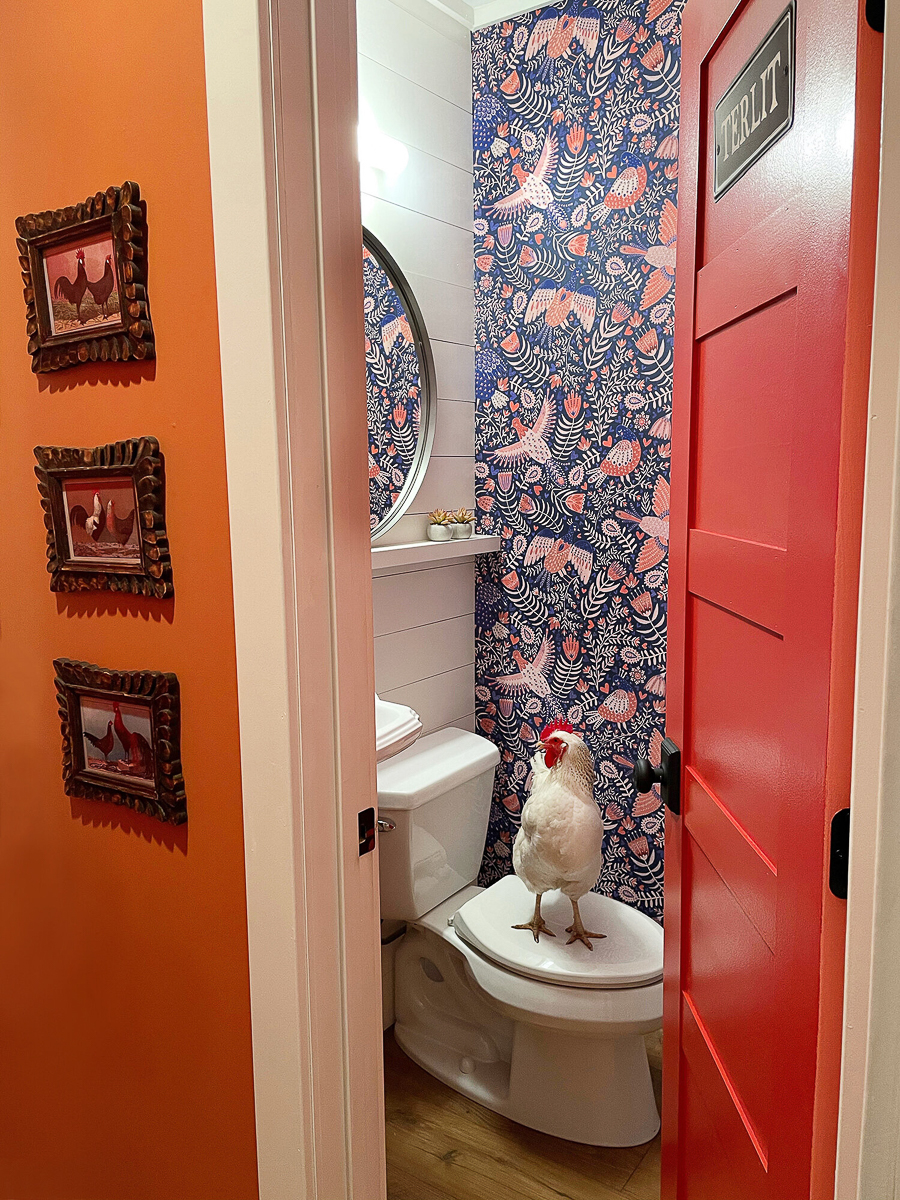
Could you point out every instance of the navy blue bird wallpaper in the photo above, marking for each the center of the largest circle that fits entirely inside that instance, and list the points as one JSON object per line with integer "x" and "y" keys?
{"x": 393, "y": 389}
{"x": 575, "y": 125}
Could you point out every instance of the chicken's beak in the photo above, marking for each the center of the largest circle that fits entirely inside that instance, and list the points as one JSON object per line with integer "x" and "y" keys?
{"x": 542, "y": 745}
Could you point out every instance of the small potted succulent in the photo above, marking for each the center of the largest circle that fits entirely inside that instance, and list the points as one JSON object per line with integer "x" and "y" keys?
{"x": 440, "y": 525}
{"x": 463, "y": 523}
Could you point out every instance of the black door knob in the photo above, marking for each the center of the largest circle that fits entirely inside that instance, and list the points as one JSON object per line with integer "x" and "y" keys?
{"x": 645, "y": 775}
{"x": 667, "y": 775}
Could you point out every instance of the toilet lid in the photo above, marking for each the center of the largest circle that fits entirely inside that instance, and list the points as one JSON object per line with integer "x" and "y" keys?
{"x": 630, "y": 955}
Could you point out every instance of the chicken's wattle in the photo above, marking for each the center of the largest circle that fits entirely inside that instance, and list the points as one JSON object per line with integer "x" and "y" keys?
{"x": 553, "y": 752}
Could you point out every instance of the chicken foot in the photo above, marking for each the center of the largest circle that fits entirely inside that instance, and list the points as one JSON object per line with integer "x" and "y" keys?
{"x": 537, "y": 924}
{"x": 578, "y": 931}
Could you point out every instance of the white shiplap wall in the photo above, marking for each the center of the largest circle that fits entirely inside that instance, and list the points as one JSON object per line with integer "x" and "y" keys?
{"x": 425, "y": 643}
{"x": 415, "y": 75}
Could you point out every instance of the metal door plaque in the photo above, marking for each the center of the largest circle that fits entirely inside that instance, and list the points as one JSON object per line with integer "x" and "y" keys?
{"x": 758, "y": 108}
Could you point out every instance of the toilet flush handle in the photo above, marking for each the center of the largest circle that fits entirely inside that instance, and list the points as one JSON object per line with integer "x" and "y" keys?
{"x": 667, "y": 775}
{"x": 385, "y": 826}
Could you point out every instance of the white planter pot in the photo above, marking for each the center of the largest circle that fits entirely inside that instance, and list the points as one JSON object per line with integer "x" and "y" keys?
{"x": 439, "y": 533}
{"x": 462, "y": 530}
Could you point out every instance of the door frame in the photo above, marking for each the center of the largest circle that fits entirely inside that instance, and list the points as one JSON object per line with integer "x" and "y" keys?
{"x": 282, "y": 74}
{"x": 281, "y": 85}
{"x": 868, "y": 1160}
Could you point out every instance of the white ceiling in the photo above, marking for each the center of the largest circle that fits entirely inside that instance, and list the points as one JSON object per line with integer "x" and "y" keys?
{"x": 489, "y": 11}
{"x": 476, "y": 13}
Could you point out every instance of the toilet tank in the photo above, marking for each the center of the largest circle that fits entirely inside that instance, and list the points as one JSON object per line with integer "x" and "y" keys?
{"x": 438, "y": 795}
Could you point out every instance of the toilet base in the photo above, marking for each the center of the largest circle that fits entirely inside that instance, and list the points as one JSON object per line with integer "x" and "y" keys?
{"x": 595, "y": 1090}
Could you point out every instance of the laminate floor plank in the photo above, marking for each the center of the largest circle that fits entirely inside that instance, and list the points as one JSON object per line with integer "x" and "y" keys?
{"x": 442, "y": 1146}
{"x": 415, "y": 1097}
{"x": 403, "y": 1186}
{"x": 644, "y": 1183}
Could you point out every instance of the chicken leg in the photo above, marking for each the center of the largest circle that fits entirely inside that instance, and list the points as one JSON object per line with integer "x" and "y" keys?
{"x": 537, "y": 924}
{"x": 578, "y": 931}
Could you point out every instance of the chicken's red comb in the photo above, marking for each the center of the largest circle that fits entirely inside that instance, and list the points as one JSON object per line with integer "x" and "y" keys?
{"x": 556, "y": 727}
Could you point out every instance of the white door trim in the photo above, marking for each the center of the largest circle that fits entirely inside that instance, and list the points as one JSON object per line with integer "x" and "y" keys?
{"x": 868, "y": 1163}
{"x": 281, "y": 98}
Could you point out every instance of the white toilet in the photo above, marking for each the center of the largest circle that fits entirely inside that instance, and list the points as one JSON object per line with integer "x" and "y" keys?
{"x": 547, "y": 1034}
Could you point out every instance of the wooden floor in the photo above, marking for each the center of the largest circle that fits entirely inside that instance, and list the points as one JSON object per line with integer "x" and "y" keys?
{"x": 441, "y": 1146}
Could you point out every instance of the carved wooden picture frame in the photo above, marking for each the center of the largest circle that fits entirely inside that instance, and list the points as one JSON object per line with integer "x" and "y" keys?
{"x": 104, "y": 511}
{"x": 121, "y": 734}
{"x": 85, "y": 275}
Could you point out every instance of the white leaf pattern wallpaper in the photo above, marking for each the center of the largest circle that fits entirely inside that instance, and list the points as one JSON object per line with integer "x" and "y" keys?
{"x": 575, "y": 122}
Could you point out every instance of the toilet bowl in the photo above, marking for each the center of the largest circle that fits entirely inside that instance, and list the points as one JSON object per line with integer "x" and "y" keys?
{"x": 547, "y": 1034}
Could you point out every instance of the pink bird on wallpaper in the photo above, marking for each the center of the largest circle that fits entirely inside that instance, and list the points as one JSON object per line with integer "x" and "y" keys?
{"x": 661, "y": 256}
{"x": 555, "y": 303}
{"x": 531, "y": 676}
{"x": 628, "y": 187}
{"x": 557, "y": 34}
{"x": 534, "y": 190}
{"x": 655, "y": 526}
{"x": 531, "y": 442}
{"x": 556, "y": 553}
{"x": 393, "y": 327}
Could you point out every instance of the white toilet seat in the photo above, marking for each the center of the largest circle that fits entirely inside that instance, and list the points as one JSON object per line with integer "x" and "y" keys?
{"x": 592, "y": 1011}
{"x": 630, "y": 955}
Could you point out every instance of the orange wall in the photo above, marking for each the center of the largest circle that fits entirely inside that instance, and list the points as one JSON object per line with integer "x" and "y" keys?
{"x": 125, "y": 1058}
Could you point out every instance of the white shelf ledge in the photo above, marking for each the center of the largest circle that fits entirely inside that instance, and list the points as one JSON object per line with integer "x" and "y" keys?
{"x": 416, "y": 556}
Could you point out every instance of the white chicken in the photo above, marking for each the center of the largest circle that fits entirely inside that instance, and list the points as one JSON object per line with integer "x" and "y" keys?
{"x": 560, "y": 842}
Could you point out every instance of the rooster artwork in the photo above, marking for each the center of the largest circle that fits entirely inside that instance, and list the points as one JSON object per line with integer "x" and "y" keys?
{"x": 103, "y": 744}
{"x": 560, "y": 841}
{"x": 81, "y": 284}
{"x": 118, "y": 738}
{"x": 102, "y": 289}
{"x": 102, "y": 520}
{"x": 71, "y": 290}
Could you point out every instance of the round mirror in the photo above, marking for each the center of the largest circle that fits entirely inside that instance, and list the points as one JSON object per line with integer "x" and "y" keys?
{"x": 399, "y": 387}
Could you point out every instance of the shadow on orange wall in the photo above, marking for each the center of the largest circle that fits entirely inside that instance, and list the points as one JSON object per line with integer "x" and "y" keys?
{"x": 124, "y": 1001}
{"x": 119, "y": 375}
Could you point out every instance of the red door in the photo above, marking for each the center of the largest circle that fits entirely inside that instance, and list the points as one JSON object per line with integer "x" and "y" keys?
{"x": 771, "y": 377}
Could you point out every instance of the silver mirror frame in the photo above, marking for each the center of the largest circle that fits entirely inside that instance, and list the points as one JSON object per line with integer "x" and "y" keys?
{"x": 428, "y": 402}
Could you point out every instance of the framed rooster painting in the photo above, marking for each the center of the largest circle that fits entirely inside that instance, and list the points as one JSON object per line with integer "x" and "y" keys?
{"x": 121, "y": 734}
{"x": 85, "y": 274}
{"x": 104, "y": 512}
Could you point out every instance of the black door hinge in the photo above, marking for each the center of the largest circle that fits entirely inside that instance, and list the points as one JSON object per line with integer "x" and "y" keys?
{"x": 366, "y": 831}
{"x": 875, "y": 14}
{"x": 839, "y": 867}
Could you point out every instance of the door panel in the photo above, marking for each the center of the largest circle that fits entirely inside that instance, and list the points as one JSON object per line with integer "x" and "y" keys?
{"x": 733, "y": 573}
{"x": 741, "y": 477}
{"x": 740, "y": 863}
{"x": 735, "y": 733}
{"x": 718, "y": 1124}
{"x": 778, "y": 173}
{"x": 769, "y": 414}
{"x": 728, "y": 983}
